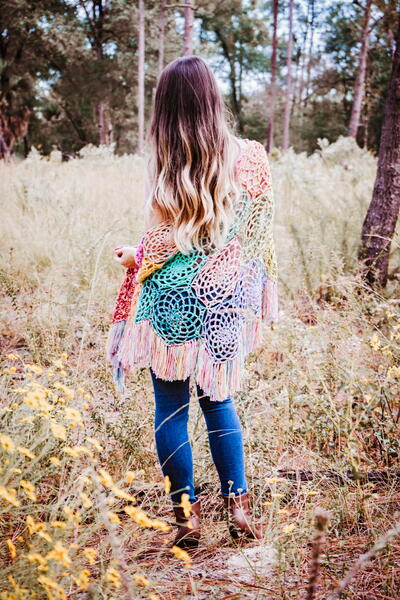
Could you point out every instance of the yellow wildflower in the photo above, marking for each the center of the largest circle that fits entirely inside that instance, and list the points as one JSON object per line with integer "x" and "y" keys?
{"x": 86, "y": 501}
{"x": 10, "y": 370}
{"x": 185, "y": 504}
{"x": 90, "y": 554}
{"x": 36, "y": 399}
{"x": 80, "y": 391}
{"x": 12, "y": 356}
{"x": 32, "y": 525}
{"x": 374, "y": 342}
{"x": 17, "y": 471}
{"x": 72, "y": 517}
{"x": 35, "y": 369}
{"x": 129, "y": 476}
{"x": 180, "y": 553}
{"x": 67, "y": 391}
{"x": 114, "y": 577}
{"x": 29, "y": 420}
{"x": 71, "y": 414}
{"x": 36, "y": 557}
{"x": 59, "y": 554}
{"x": 58, "y": 524}
{"x": 141, "y": 580}
{"x": 29, "y": 489}
{"x": 7, "y": 443}
{"x": 58, "y": 431}
{"x": 55, "y": 461}
{"x": 87, "y": 397}
{"x": 122, "y": 494}
{"x": 95, "y": 443}
{"x": 167, "y": 484}
{"x": 11, "y": 549}
{"x": 105, "y": 478}
{"x": 45, "y": 536}
{"x": 52, "y": 586}
{"x": 82, "y": 581}
{"x": 113, "y": 517}
{"x": 277, "y": 496}
{"x": 140, "y": 517}
{"x": 288, "y": 528}
{"x": 10, "y": 495}
{"x": 57, "y": 362}
{"x": 26, "y": 452}
{"x": 393, "y": 373}
{"x": 76, "y": 451}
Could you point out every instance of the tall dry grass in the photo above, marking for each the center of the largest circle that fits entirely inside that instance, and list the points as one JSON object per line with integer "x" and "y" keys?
{"x": 320, "y": 404}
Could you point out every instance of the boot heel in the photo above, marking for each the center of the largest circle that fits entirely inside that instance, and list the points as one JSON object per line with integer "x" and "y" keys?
{"x": 188, "y": 534}
{"x": 239, "y": 520}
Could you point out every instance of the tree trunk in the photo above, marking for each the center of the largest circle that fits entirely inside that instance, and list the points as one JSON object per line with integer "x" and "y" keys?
{"x": 104, "y": 123}
{"x": 188, "y": 34}
{"x": 141, "y": 80}
{"x": 270, "y": 131}
{"x": 360, "y": 77}
{"x": 380, "y": 221}
{"x": 4, "y": 149}
{"x": 235, "y": 94}
{"x": 310, "y": 53}
{"x": 101, "y": 123}
{"x": 161, "y": 43}
{"x": 366, "y": 111}
{"x": 303, "y": 62}
{"x": 288, "y": 95}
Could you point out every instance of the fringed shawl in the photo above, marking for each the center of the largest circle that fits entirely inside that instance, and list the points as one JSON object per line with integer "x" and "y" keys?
{"x": 200, "y": 314}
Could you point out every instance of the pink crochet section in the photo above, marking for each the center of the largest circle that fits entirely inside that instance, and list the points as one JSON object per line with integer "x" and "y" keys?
{"x": 253, "y": 169}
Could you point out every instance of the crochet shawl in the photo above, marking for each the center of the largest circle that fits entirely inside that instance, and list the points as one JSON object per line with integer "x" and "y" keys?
{"x": 201, "y": 313}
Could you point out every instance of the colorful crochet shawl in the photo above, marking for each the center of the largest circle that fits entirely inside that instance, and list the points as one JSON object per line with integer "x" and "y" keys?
{"x": 200, "y": 314}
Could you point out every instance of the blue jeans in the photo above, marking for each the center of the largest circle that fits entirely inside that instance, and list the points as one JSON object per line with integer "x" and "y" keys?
{"x": 173, "y": 445}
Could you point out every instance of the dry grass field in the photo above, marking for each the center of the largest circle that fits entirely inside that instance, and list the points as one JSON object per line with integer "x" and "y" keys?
{"x": 83, "y": 510}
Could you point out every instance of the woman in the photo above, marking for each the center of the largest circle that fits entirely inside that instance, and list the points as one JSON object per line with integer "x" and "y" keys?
{"x": 198, "y": 286}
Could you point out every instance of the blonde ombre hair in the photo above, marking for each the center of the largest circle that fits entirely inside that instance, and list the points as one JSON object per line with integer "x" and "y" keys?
{"x": 191, "y": 168}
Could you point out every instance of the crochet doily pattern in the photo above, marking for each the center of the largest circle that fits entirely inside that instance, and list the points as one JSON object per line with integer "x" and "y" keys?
{"x": 218, "y": 277}
{"x": 178, "y": 315}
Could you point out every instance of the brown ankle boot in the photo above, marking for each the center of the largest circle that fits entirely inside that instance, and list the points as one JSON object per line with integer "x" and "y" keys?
{"x": 188, "y": 533}
{"x": 239, "y": 519}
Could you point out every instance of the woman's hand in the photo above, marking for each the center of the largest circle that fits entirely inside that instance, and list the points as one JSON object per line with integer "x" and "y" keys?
{"x": 125, "y": 256}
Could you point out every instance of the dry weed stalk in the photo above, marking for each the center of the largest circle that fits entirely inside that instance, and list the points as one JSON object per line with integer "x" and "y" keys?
{"x": 321, "y": 517}
{"x": 363, "y": 560}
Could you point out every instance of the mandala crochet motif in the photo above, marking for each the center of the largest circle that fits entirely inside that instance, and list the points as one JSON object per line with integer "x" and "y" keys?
{"x": 201, "y": 313}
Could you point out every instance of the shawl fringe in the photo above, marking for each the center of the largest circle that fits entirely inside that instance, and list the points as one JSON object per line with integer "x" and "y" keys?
{"x": 140, "y": 346}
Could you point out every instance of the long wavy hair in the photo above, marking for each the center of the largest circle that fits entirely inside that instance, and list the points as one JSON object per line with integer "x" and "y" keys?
{"x": 191, "y": 167}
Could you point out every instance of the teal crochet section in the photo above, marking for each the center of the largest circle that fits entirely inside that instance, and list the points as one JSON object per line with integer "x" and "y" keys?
{"x": 178, "y": 315}
{"x": 180, "y": 270}
{"x": 147, "y": 296}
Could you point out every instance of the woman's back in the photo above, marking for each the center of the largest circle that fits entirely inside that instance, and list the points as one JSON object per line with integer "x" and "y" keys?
{"x": 200, "y": 313}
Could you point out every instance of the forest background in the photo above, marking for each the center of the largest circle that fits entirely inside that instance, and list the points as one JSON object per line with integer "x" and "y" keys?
{"x": 69, "y": 69}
